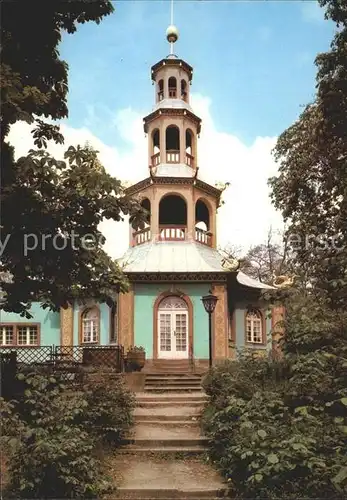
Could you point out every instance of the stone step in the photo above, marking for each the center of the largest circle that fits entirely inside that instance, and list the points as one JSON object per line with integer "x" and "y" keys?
{"x": 151, "y": 476}
{"x": 175, "y": 396}
{"x": 168, "y": 413}
{"x": 170, "y": 404}
{"x": 173, "y": 380}
{"x": 165, "y": 442}
{"x": 168, "y": 494}
{"x": 168, "y": 388}
{"x": 163, "y": 451}
{"x": 173, "y": 375}
{"x": 166, "y": 422}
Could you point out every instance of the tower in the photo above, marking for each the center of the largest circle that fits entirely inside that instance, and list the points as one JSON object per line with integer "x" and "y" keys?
{"x": 181, "y": 206}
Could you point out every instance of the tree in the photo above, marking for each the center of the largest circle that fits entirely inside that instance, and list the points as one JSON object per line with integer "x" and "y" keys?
{"x": 311, "y": 189}
{"x": 50, "y": 204}
{"x": 264, "y": 261}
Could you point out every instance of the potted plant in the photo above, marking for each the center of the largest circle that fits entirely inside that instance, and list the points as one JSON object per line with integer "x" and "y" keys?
{"x": 136, "y": 358}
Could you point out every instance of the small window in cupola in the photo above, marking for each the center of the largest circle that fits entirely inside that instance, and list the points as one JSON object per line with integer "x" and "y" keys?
{"x": 172, "y": 87}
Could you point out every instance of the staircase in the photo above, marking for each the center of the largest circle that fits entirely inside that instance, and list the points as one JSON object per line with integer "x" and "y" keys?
{"x": 164, "y": 457}
{"x": 166, "y": 366}
{"x": 172, "y": 382}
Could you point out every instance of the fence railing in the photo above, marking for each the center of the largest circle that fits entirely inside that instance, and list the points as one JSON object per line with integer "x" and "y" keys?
{"x": 110, "y": 356}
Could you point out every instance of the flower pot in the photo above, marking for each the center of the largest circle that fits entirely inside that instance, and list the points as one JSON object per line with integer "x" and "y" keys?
{"x": 135, "y": 360}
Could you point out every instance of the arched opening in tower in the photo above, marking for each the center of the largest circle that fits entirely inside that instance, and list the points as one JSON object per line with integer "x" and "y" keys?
{"x": 143, "y": 235}
{"x": 184, "y": 93}
{"x": 189, "y": 157}
{"x": 202, "y": 223}
{"x": 146, "y": 204}
{"x": 172, "y": 144}
{"x": 172, "y": 87}
{"x": 155, "y": 147}
{"x": 160, "y": 90}
{"x": 172, "y": 217}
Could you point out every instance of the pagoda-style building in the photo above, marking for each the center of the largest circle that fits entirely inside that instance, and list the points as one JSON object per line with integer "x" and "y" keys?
{"x": 173, "y": 261}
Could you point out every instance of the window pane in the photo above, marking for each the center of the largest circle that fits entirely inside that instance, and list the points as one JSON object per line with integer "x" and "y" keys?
{"x": 7, "y": 335}
{"x": 27, "y": 335}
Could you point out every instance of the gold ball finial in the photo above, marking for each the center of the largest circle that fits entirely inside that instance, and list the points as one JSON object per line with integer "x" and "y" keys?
{"x": 172, "y": 34}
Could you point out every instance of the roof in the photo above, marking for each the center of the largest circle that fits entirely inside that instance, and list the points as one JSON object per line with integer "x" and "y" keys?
{"x": 173, "y": 170}
{"x": 173, "y": 103}
{"x": 179, "y": 257}
{"x": 172, "y": 257}
{"x": 245, "y": 280}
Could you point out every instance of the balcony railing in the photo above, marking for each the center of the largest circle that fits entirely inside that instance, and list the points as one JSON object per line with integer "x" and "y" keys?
{"x": 155, "y": 159}
{"x": 172, "y": 92}
{"x": 142, "y": 236}
{"x": 203, "y": 236}
{"x": 172, "y": 156}
{"x": 189, "y": 160}
{"x": 172, "y": 233}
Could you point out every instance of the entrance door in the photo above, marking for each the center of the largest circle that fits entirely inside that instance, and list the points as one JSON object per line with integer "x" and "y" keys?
{"x": 173, "y": 328}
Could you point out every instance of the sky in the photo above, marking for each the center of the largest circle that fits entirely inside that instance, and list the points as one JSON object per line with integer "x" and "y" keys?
{"x": 253, "y": 73}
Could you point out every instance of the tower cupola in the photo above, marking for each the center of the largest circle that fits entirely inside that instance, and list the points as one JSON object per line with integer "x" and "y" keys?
{"x": 172, "y": 127}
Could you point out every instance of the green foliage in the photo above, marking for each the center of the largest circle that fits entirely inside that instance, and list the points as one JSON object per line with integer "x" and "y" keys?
{"x": 52, "y": 205}
{"x": 65, "y": 200}
{"x": 109, "y": 411}
{"x": 54, "y": 455}
{"x": 52, "y": 436}
{"x": 310, "y": 189}
{"x": 278, "y": 430}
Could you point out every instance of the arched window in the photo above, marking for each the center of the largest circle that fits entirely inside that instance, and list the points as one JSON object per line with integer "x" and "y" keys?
{"x": 172, "y": 87}
{"x": 160, "y": 90}
{"x": 184, "y": 90}
{"x": 90, "y": 333}
{"x": 172, "y": 144}
{"x": 202, "y": 223}
{"x": 254, "y": 327}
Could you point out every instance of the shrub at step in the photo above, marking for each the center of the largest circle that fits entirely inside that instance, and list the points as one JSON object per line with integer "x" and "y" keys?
{"x": 108, "y": 414}
{"x": 53, "y": 456}
{"x": 279, "y": 431}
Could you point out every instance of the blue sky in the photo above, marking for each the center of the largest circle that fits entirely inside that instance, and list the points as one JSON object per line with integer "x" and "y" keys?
{"x": 253, "y": 70}
{"x": 253, "y": 59}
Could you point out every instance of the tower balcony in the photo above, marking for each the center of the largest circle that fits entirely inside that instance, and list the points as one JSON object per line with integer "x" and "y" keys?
{"x": 203, "y": 236}
{"x": 172, "y": 156}
{"x": 172, "y": 233}
{"x": 141, "y": 236}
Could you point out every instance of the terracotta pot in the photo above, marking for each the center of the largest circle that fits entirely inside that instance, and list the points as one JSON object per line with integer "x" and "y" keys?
{"x": 136, "y": 360}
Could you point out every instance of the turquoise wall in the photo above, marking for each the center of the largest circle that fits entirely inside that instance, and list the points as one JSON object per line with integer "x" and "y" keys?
{"x": 144, "y": 299}
{"x": 104, "y": 324}
{"x": 240, "y": 328}
{"x": 49, "y": 321}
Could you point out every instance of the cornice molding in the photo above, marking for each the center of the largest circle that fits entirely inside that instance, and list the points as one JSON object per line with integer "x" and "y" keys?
{"x": 170, "y": 277}
{"x": 207, "y": 188}
{"x": 172, "y": 62}
{"x": 171, "y": 112}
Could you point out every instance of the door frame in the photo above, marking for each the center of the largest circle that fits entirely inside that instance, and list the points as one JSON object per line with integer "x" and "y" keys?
{"x": 173, "y": 353}
{"x": 187, "y": 300}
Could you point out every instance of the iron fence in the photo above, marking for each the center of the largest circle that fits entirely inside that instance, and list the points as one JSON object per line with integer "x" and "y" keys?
{"x": 111, "y": 356}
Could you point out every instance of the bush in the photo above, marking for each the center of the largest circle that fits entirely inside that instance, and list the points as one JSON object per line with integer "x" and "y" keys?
{"x": 53, "y": 456}
{"x": 278, "y": 430}
{"x": 108, "y": 414}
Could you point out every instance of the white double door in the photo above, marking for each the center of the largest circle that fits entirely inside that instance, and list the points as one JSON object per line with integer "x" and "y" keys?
{"x": 173, "y": 334}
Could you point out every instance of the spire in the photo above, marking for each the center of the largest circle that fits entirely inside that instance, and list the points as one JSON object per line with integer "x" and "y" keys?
{"x": 172, "y": 32}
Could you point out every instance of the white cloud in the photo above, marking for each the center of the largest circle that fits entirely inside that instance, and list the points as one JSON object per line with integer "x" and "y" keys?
{"x": 245, "y": 217}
